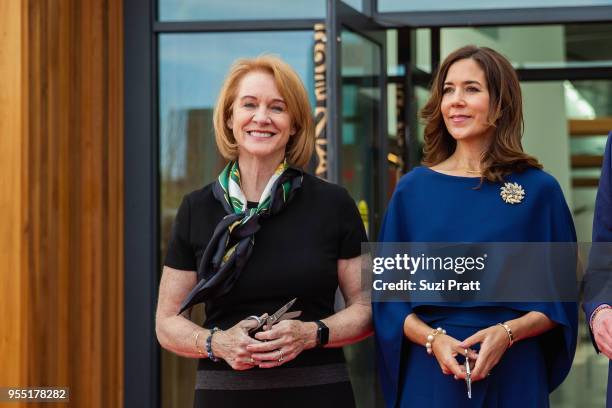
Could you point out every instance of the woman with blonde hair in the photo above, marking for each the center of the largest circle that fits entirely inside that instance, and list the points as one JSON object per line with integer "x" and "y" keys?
{"x": 263, "y": 234}
{"x": 476, "y": 185}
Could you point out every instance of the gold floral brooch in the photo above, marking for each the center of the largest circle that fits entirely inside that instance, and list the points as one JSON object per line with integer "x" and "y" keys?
{"x": 512, "y": 193}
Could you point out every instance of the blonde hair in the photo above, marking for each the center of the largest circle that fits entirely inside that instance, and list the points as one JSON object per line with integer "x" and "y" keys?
{"x": 300, "y": 146}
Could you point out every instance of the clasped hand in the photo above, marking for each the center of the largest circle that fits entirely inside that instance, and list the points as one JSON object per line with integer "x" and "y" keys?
{"x": 493, "y": 344}
{"x": 281, "y": 343}
{"x": 270, "y": 348}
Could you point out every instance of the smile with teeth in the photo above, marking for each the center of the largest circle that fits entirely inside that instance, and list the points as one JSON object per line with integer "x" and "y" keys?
{"x": 261, "y": 134}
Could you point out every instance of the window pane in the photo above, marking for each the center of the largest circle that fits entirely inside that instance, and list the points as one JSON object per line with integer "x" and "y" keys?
{"x": 423, "y": 49}
{"x": 588, "y": 99}
{"x": 571, "y": 45}
{"x": 361, "y": 98}
{"x": 207, "y": 10}
{"x": 192, "y": 68}
{"x": 415, "y": 5}
{"x": 566, "y": 124}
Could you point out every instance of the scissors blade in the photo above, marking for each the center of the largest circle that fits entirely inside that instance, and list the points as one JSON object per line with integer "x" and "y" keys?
{"x": 290, "y": 315}
{"x": 468, "y": 377}
{"x": 277, "y": 315}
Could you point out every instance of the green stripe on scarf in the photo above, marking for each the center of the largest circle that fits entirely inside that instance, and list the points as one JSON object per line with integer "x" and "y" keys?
{"x": 229, "y": 179}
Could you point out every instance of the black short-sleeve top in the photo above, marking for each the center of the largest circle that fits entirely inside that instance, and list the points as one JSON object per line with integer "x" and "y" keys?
{"x": 295, "y": 255}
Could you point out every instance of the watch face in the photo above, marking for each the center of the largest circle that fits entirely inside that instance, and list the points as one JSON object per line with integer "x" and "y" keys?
{"x": 322, "y": 334}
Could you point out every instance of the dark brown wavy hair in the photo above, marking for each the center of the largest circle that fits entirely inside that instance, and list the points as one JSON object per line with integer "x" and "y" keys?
{"x": 505, "y": 153}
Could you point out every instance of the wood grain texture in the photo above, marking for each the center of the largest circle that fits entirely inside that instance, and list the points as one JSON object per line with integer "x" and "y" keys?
{"x": 63, "y": 292}
{"x": 13, "y": 341}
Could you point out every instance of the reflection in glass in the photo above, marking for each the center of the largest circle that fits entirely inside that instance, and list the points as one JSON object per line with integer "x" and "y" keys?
{"x": 192, "y": 68}
{"x": 209, "y": 10}
{"x": 423, "y": 49}
{"x": 361, "y": 98}
{"x": 417, "y": 127}
{"x": 588, "y": 106}
{"x": 393, "y": 66}
{"x": 544, "y": 46}
{"x": 403, "y": 5}
{"x": 596, "y": 94}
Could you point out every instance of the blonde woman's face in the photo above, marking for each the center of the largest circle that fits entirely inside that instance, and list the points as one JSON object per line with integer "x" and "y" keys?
{"x": 260, "y": 120}
{"x": 465, "y": 101}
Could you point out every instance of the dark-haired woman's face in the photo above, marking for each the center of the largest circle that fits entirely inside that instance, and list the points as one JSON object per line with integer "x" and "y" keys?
{"x": 465, "y": 101}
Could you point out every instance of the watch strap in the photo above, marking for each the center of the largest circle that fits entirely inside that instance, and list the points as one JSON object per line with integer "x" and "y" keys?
{"x": 322, "y": 333}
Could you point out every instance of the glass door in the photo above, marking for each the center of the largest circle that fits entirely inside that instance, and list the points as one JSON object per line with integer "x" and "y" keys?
{"x": 358, "y": 112}
{"x": 357, "y": 129}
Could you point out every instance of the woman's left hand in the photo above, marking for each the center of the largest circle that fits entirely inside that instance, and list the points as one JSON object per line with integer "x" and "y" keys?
{"x": 493, "y": 344}
{"x": 283, "y": 342}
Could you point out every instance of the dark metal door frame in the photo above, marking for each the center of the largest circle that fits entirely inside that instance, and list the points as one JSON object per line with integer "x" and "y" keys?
{"x": 340, "y": 15}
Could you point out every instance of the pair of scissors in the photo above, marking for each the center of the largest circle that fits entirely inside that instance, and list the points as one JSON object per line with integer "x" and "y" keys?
{"x": 265, "y": 323}
{"x": 468, "y": 375}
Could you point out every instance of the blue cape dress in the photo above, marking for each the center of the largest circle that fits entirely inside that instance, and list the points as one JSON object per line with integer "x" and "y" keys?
{"x": 429, "y": 206}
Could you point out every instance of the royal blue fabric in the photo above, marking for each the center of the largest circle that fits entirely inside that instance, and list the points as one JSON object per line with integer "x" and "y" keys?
{"x": 428, "y": 206}
{"x": 602, "y": 232}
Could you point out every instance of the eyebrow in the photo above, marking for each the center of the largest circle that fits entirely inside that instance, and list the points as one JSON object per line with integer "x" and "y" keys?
{"x": 254, "y": 97}
{"x": 470, "y": 82}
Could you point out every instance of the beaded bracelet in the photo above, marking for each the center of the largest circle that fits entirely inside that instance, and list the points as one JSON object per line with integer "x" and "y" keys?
{"x": 509, "y": 332}
{"x": 431, "y": 337}
{"x": 211, "y": 356}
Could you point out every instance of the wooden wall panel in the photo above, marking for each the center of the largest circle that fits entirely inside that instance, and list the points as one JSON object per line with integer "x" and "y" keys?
{"x": 13, "y": 342}
{"x": 62, "y": 219}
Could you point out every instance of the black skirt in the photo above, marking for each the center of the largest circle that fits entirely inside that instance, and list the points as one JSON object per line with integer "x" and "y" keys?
{"x": 335, "y": 395}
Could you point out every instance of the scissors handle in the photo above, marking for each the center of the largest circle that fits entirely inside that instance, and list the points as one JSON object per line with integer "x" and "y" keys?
{"x": 266, "y": 323}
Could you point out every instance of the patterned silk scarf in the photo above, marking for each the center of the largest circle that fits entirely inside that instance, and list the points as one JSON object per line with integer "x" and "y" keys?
{"x": 232, "y": 241}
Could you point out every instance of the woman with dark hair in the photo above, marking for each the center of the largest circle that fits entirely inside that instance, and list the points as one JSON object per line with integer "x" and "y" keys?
{"x": 265, "y": 236}
{"x": 476, "y": 185}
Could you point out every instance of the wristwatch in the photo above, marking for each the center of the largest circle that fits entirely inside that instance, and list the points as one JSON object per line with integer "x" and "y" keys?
{"x": 322, "y": 333}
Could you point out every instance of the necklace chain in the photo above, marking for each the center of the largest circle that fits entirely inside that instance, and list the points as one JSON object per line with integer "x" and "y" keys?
{"x": 472, "y": 171}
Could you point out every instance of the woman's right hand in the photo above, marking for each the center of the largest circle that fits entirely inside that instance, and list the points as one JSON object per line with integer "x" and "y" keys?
{"x": 445, "y": 349}
{"x": 230, "y": 345}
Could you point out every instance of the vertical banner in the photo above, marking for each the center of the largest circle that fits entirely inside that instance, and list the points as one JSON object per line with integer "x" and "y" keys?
{"x": 400, "y": 103}
{"x": 320, "y": 83}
